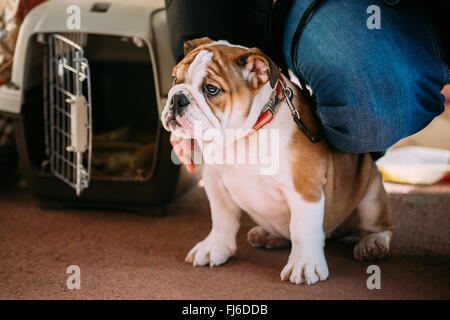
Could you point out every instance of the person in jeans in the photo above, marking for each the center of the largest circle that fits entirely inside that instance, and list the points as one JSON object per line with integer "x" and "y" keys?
{"x": 371, "y": 86}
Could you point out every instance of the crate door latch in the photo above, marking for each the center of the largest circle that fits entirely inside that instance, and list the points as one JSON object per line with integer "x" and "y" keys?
{"x": 78, "y": 124}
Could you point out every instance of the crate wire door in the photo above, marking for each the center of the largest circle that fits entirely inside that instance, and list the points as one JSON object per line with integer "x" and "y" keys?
{"x": 68, "y": 111}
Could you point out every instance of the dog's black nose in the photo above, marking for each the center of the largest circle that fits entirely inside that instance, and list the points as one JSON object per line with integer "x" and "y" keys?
{"x": 179, "y": 101}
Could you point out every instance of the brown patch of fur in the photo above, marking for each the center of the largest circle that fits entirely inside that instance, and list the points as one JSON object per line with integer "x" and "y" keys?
{"x": 192, "y": 44}
{"x": 344, "y": 177}
{"x": 349, "y": 176}
{"x": 382, "y": 219}
{"x": 308, "y": 160}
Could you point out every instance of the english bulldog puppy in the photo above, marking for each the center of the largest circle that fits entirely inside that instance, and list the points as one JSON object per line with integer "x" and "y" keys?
{"x": 315, "y": 189}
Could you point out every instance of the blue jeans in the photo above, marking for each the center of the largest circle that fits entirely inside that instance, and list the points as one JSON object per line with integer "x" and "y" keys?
{"x": 372, "y": 86}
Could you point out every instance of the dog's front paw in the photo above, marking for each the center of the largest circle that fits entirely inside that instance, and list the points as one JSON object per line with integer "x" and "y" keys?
{"x": 212, "y": 251}
{"x": 305, "y": 268}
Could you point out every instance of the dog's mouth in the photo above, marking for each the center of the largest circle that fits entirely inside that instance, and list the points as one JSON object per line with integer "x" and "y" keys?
{"x": 174, "y": 118}
{"x": 172, "y": 122}
{"x": 177, "y": 124}
{"x": 176, "y": 121}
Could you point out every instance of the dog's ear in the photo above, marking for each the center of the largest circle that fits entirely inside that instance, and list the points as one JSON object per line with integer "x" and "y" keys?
{"x": 259, "y": 68}
{"x": 192, "y": 44}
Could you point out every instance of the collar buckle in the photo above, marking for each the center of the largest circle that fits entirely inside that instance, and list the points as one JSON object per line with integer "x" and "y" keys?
{"x": 273, "y": 102}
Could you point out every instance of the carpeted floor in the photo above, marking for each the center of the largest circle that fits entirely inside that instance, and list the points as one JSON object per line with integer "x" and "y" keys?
{"x": 127, "y": 256}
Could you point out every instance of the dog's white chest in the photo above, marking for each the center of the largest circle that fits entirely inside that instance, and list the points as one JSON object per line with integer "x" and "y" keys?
{"x": 261, "y": 197}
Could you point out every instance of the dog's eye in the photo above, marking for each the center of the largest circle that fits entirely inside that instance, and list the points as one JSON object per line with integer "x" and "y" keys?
{"x": 211, "y": 90}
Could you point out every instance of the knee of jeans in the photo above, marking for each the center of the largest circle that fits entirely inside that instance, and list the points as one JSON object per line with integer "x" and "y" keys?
{"x": 351, "y": 130}
{"x": 372, "y": 117}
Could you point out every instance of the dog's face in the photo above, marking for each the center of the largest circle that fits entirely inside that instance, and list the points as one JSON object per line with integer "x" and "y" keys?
{"x": 216, "y": 85}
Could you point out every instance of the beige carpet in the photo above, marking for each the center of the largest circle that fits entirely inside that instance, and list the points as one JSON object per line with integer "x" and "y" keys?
{"x": 127, "y": 256}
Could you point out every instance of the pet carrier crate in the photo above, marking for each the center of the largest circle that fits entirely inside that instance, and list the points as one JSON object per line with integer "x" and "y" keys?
{"x": 85, "y": 98}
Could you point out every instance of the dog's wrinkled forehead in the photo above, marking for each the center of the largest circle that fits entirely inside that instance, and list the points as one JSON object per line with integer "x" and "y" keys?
{"x": 197, "y": 60}
{"x": 226, "y": 61}
{"x": 196, "y": 71}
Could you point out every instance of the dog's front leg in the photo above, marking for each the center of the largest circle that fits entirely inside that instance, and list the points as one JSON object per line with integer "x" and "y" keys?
{"x": 306, "y": 262}
{"x": 220, "y": 244}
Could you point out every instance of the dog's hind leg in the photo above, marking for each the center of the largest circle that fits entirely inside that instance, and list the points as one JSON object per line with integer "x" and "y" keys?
{"x": 260, "y": 238}
{"x": 374, "y": 221}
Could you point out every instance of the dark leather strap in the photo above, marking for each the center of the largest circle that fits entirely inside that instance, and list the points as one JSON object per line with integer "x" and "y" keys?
{"x": 391, "y": 2}
{"x": 294, "y": 44}
{"x": 298, "y": 32}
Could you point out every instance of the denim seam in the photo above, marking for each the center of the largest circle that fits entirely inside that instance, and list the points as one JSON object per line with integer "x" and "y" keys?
{"x": 436, "y": 50}
{"x": 447, "y": 72}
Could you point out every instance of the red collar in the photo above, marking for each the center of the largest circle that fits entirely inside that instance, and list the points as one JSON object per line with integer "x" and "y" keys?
{"x": 282, "y": 92}
{"x": 271, "y": 107}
